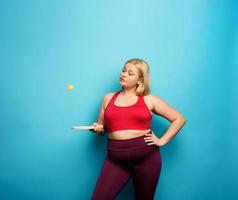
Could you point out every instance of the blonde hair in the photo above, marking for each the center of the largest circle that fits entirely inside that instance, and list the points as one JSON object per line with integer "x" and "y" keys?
{"x": 143, "y": 88}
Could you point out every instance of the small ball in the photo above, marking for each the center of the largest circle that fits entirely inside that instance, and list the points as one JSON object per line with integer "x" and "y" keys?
{"x": 70, "y": 87}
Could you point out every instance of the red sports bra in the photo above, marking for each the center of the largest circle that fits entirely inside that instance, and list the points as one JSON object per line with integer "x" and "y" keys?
{"x": 136, "y": 116}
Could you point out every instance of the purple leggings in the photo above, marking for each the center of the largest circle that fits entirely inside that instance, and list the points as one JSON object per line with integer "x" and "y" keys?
{"x": 129, "y": 158}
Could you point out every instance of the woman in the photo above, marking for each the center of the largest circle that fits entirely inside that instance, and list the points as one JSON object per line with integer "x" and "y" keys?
{"x": 133, "y": 150}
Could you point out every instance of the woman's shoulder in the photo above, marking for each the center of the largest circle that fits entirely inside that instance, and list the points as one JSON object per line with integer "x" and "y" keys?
{"x": 151, "y": 99}
{"x": 107, "y": 97}
{"x": 151, "y": 96}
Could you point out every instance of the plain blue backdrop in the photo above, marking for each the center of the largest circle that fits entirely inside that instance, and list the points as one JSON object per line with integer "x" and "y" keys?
{"x": 192, "y": 50}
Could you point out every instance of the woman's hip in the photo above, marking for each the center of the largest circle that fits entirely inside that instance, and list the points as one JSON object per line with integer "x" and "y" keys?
{"x": 134, "y": 149}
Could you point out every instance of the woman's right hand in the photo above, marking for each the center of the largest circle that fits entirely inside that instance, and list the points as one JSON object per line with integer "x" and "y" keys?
{"x": 98, "y": 128}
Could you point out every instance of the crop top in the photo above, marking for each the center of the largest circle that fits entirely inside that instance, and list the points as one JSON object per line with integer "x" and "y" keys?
{"x": 136, "y": 116}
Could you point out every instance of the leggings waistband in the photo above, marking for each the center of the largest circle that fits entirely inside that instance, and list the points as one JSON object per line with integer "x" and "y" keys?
{"x": 127, "y": 144}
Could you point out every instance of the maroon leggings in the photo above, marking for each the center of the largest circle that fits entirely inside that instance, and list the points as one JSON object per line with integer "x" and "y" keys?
{"x": 129, "y": 158}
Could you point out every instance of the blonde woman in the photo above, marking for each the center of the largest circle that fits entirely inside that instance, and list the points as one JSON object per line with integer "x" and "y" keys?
{"x": 133, "y": 150}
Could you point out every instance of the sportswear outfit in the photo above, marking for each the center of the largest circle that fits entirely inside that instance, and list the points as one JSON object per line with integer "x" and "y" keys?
{"x": 129, "y": 158}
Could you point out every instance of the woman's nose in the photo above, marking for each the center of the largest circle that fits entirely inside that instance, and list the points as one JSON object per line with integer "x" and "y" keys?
{"x": 123, "y": 74}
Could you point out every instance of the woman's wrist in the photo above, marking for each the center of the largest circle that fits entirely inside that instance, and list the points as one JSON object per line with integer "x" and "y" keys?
{"x": 161, "y": 142}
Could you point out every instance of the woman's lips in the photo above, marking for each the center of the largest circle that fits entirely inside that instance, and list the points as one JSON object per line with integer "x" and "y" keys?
{"x": 121, "y": 79}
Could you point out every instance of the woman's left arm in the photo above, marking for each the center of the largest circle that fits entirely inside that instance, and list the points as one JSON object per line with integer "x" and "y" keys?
{"x": 177, "y": 120}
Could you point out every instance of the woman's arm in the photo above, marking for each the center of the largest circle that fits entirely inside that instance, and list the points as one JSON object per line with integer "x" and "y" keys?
{"x": 100, "y": 119}
{"x": 100, "y": 126}
{"x": 177, "y": 120}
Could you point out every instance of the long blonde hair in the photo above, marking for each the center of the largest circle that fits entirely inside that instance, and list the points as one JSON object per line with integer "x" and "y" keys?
{"x": 143, "y": 88}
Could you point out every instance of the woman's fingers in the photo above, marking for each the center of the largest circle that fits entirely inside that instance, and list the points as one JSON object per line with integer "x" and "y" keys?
{"x": 152, "y": 143}
{"x": 149, "y": 137}
{"x": 93, "y": 127}
{"x": 97, "y": 127}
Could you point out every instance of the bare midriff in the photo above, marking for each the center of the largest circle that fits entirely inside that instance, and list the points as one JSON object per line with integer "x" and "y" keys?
{"x": 126, "y": 134}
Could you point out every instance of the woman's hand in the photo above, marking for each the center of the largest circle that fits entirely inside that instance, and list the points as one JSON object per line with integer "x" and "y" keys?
{"x": 98, "y": 128}
{"x": 153, "y": 139}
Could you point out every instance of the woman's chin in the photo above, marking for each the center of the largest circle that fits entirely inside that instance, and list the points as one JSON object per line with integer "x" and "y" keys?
{"x": 121, "y": 83}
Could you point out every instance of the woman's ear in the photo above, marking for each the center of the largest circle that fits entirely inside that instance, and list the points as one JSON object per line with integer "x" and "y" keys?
{"x": 139, "y": 82}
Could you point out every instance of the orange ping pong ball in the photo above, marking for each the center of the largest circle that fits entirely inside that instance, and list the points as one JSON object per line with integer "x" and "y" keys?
{"x": 70, "y": 87}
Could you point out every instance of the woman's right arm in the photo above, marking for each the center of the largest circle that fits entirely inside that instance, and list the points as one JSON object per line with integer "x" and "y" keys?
{"x": 99, "y": 126}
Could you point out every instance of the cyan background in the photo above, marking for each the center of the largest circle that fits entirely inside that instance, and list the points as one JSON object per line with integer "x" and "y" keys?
{"x": 192, "y": 50}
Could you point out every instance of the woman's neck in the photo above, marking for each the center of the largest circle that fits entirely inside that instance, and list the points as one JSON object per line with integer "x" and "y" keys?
{"x": 128, "y": 92}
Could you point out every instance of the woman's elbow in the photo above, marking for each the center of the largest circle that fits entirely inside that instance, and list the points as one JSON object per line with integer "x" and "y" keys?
{"x": 182, "y": 119}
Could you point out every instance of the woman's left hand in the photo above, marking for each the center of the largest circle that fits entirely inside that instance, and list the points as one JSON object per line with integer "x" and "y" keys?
{"x": 152, "y": 139}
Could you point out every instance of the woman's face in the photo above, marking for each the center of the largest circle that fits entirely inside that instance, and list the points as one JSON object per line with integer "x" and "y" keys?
{"x": 129, "y": 75}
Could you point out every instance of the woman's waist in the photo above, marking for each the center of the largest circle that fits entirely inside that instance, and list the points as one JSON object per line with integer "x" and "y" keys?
{"x": 127, "y": 134}
{"x": 124, "y": 143}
